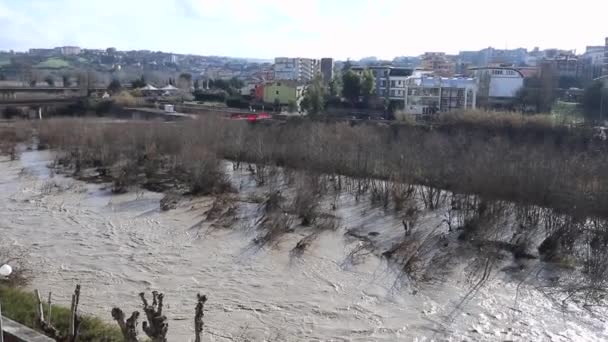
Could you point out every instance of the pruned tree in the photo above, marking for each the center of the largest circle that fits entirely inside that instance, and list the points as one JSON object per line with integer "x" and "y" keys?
{"x": 46, "y": 325}
{"x": 155, "y": 326}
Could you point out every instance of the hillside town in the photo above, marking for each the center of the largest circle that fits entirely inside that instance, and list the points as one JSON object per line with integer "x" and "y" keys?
{"x": 531, "y": 81}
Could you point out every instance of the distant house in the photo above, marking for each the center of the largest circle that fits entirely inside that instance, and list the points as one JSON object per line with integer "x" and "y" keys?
{"x": 284, "y": 92}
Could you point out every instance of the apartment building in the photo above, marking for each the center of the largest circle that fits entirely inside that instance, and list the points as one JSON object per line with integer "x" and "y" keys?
{"x": 296, "y": 69}
{"x": 428, "y": 95}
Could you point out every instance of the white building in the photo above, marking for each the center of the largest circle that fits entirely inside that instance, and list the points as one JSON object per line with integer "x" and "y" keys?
{"x": 497, "y": 86}
{"x": 296, "y": 69}
{"x": 69, "y": 50}
{"x": 427, "y": 95}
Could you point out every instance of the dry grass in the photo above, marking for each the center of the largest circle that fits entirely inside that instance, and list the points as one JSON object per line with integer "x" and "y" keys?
{"x": 498, "y": 119}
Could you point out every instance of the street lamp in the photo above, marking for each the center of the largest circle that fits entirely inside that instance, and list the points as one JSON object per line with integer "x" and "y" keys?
{"x": 5, "y": 270}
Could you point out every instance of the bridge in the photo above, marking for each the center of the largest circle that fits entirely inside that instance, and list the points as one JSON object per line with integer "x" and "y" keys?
{"x": 21, "y": 93}
{"x": 37, "y": 101}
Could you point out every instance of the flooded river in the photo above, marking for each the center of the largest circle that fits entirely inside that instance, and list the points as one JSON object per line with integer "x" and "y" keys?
{"x": 116, "y": 246}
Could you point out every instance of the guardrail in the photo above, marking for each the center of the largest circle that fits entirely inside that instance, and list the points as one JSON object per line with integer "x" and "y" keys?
{"x": 15, "y": 332}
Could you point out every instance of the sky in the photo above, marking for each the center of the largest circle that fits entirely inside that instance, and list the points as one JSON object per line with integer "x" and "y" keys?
{"x": 305, "y": 28}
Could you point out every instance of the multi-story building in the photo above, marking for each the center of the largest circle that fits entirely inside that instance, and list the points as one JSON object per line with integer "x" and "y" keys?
{"x": 42, "y": 52}
{"x": 564, "y": 65}
{"x": 592, "y": 62}
{"x": 606, "y": 58}
{"x": 296, "y": 69}
{"x": 283, "y": 92}
{"x": 438, "y": 62}
{"x": 397, "y": 78}
{"x": 390, "y": 81}
{"x": 327, "y": 69}
{"x": 427, "y": 95}
{"x": 69, "y": 50}
{"x": 497, "y": 86}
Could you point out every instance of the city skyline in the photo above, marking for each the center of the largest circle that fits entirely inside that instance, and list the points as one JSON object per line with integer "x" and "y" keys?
{"x": 269, "y": 28}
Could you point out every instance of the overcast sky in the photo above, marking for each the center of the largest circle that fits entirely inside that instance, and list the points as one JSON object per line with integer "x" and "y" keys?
{"x": 307, "y": 28}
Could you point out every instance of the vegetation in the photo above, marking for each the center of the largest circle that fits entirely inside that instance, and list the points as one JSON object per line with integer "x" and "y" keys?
{"x": 19, "y": 305}
{"x": 49, "y": 80}
{"x": 351, "y": 86}
{"x": 54, "y": 63}
{"x": 592, "y": 100}
{"x": 114, "y": 86}
{"x": 139, "y": 83}
{"x": 314, "y": 98}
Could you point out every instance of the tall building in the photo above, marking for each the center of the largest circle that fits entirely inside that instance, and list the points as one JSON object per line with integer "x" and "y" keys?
{"x": 327, "y": 69}
{"x": 606, "y": 57}
{"x": 296, "y": 69}
{"x": 592, "y": 62}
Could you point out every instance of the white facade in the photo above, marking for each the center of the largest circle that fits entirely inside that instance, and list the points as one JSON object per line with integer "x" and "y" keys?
{"x": 296, "y": 69}
{"x": 498, "y": 82}
{"x": 69, "y": 50}
{"x": 427, "y": 95}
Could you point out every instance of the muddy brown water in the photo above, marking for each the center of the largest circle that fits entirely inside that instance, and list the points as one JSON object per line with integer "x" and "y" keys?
{"x": 116, "y": 246}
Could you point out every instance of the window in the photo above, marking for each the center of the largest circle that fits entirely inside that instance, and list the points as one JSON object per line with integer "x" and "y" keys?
{"x": 383, "y": 83}
{"x": 277, "y": 92}
{"x": 399, "y": 83}
{"x": 392, "y": 84}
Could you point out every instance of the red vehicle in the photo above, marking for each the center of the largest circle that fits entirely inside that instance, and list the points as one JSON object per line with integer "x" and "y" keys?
{"x": 253, "y": 117}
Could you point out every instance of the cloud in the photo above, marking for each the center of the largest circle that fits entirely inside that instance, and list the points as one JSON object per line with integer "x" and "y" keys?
{"x": 314, "y": 28}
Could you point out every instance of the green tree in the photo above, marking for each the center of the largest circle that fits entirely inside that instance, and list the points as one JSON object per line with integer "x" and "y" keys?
{"x": 351, "y": 86}
{"x": 277, "y": 105}
{"x": 49, "y": 80}
{"x": 347, "y": 65}
{"x": 139, "y": 83}
{"x": 529, "y": 97}
{"x": 368, "y": 85}
{"x": 235, "y": 83}
{"x": 114, "y": 86}
{"x": 335, "y": 86}
{"x": 592, "y": 100}
{"x": 314, "y": 97}
{"x": 184, "y": 80}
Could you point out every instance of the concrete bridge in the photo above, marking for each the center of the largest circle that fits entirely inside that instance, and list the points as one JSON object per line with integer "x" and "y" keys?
{"x": 37, "y": 101}
{"x": 9, "y": 94}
